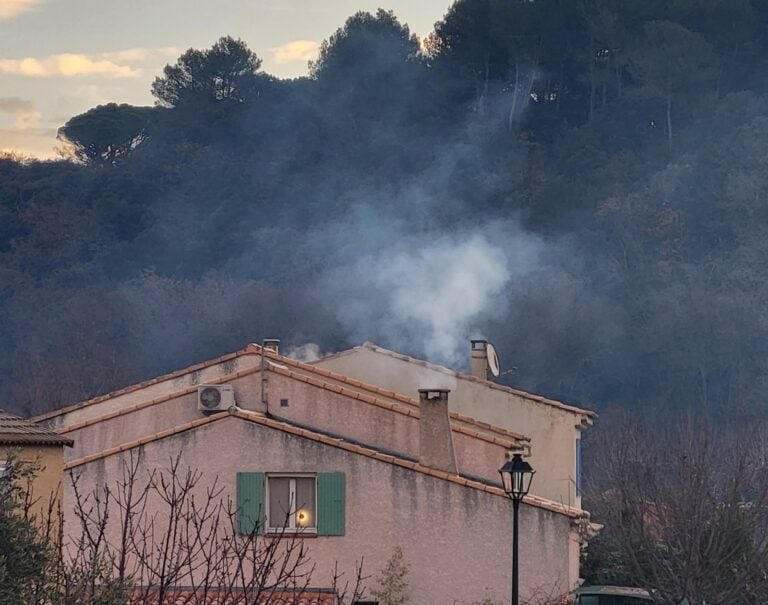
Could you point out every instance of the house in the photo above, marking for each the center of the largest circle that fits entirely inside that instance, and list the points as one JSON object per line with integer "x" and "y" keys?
{"x": 554, "y": 428}
{"x": 359, "y": 470}
{"x": 30, "y": 443}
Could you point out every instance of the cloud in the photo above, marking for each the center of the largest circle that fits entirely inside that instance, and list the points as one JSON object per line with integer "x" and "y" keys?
{"x": 15, "y": 105}
{"x": 12, "y": 8}
{"x": 34, "y": 142}
{"x": 141, "y": 55}
{"x": 298, "y": 50}
{"x": 91, "y": 94}
{"x": 24, "y": 112}
{"x": 66, "y": 65}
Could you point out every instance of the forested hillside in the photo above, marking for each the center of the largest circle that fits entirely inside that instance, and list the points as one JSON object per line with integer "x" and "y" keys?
{"x": 582, "y": 182}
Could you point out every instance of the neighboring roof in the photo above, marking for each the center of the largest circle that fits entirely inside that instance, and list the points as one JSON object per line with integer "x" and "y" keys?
{"x": 184, "y": 596}
{"x": 355, "y": 448}
{"x": 459, "y": 423}
{"x": 616, "y": 591}
{"x": 15, "y": 430}
{"x": 308, "y": 374}
{"x": 379, "y": 393}
{"x": 442, "y": 369}
{"x": 141, "y": 385}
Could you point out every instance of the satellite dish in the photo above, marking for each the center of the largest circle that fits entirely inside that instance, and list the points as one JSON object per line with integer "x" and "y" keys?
{"x": 493, "y": 360}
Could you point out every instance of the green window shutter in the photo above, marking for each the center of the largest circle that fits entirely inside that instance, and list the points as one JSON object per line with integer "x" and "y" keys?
{"x": 330, "y": 504}
{"x": 250, "y": 503}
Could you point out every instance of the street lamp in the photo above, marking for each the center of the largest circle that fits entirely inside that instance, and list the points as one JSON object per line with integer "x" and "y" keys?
{"x": 516, "y": 477}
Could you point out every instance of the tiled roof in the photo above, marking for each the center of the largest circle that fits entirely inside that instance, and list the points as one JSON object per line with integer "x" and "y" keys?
{"x": 254, "y": 349}
{"x": 442, "y": 369}
{"x": 141, "y": 385}
{"x": 320, "y": 377}
{"x": 459, "y": 423}
{"x": 369, "y": 452}
{"x": 188, "y": 596}
{"x": 379, "y": 392}
{"x": 18, "y": 431}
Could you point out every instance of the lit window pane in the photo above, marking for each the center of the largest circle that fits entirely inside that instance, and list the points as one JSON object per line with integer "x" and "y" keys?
{"x": 279, "y": 501}
{"x": 305, "y": 502}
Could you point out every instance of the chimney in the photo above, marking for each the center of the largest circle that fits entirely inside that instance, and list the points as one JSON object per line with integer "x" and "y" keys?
{"x": 479, "y": 359}
{"x": 435, "y": 437}
{"x": 271, "y": 344}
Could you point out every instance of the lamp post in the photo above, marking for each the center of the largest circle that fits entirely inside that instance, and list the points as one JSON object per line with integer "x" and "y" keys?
{"x": 516, "y": 477}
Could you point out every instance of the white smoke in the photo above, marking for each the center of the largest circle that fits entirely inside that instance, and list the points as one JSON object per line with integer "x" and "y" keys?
{"x": 441, "y": 288}
{"x": 429, "y": 296}
{"x": 307, "y": 353}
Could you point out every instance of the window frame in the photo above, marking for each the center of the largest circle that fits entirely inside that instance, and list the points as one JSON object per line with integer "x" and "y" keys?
{"x": 291, "y": 528}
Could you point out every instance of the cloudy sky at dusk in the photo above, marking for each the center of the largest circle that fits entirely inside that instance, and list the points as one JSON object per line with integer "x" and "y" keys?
{"x": 59, "y": 58}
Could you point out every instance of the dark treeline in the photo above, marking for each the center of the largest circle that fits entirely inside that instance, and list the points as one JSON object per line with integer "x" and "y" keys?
{"x": 626, "y": 142}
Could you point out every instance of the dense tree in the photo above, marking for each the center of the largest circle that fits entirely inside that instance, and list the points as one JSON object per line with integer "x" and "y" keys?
{"x": 671, "y": 59}
{"x": 365, "y": 42}
{"x": 108, "y": 133}
{"x": 258, "y": 205}
{"x": 224, "y": 72}
{"x": 486, "y": 44}
{"x": 367, "y": 73}
{"x": 684, "y": 512}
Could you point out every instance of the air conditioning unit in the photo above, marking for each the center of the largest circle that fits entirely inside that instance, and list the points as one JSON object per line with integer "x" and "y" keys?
{"x": 215, "y": 398}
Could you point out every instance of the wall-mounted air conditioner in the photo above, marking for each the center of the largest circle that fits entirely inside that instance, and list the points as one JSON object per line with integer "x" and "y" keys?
{"x": 215, "y": 398}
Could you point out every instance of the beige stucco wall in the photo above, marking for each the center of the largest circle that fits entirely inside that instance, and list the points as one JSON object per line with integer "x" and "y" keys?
{"x": 457, "y": 540}
{"x": 307, "y": 404}
{"x": 553, "y": 431}
{"x": 47, "y": 485}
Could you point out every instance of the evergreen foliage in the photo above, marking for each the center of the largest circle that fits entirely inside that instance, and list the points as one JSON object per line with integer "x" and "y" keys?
{"x": 393, "y": 586}
{"x": 25, "y": 555}
{"x": 626, "y": 139}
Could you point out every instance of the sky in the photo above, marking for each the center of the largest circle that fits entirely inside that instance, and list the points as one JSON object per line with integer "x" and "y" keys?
{"x": 59, "y": 58}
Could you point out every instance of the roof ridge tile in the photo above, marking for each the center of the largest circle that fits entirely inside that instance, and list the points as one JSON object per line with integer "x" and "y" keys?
{"x": 22, "y": 431}
{"x": 253, "y": 349}
{"x": 464, "y": 376}
{"x": 339, "y": 443}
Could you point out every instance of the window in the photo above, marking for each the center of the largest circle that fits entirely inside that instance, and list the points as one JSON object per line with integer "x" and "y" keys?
{"x": 271, "y": 501}
{"x": 292, "y": 503}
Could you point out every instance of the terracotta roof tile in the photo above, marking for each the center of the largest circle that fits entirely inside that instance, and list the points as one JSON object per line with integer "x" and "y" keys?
{"x": 144, "y": 440}
{"x": 17, "y": 430}
{"x": 511, "y": 443}
{"x": 254, "y": 349}
{"x": 141, "y": 385}
{"x": 286, "y": 427}
{"x": 372, "y": 391}
{"x": 493, "y": 385}
{"x": 410, "y": 408}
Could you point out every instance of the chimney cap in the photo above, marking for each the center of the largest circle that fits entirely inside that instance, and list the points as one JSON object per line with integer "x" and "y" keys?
{"x": 428, "y": 394}
{"x": 478, "y": 344}
{"x": 271, "y": 344}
